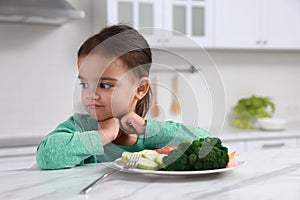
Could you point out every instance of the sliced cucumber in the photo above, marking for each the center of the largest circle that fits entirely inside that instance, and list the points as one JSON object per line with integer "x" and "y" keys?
{"x": 159, "y": 159}
{"x": 147, "y": 164}
{"x": 145, "y": 151}
{"x": 125, "y": 156}
{"x": 150, "y": 155}
{"x": 150, "y": 160}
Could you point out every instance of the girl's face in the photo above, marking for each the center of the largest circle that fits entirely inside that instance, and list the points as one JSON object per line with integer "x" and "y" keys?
{"x": 108, "y": 88}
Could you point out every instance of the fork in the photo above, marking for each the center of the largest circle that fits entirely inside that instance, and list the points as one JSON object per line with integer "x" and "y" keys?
{"x": 130, "y": 164}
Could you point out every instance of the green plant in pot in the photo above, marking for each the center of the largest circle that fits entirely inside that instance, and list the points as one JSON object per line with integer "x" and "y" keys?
{"x": 248, "y": 110}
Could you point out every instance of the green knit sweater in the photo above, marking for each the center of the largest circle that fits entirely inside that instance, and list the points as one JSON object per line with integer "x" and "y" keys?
{"x": 76, "y": 142}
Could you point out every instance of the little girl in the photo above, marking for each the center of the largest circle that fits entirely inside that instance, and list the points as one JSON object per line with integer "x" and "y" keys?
{"x": 113, "y": 69}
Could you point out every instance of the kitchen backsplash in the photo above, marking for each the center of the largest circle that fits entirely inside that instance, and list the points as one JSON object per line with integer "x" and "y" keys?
{"x": 245, "y": 73}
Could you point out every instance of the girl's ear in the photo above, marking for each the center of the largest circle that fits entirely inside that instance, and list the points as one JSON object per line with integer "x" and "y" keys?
{"x": 143, "y": 88}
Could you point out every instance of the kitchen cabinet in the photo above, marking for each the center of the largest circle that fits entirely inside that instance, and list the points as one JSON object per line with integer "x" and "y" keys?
{"x": 257, "y": 140}
{"x": 246, "y": 144}
{"x": 17, "y": 157}
{"x": 13, "y": 163}
{"x": 141, "y": 14}
{"x": 258, "y": 145}
{"x": 190, "y": 19}
{"x": 237, "y": 146}
{"x": 257, "y": 24}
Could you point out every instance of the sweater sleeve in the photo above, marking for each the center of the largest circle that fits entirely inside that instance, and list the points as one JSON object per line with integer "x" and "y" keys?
{"x": 68, "y": 146}
{"x": 159, "y": 134}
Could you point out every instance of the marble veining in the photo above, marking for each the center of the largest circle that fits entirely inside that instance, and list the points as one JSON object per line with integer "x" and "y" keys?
{"x": 273, "y": 174}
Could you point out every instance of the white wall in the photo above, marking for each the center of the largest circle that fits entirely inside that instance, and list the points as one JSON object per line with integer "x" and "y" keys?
{"x": 38, "y": 73}
{"x": 264, "y": 73}
{"x": 274, "y": 74}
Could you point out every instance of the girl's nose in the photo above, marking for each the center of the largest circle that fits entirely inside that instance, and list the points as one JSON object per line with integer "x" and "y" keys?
{"x": 93, "y": 95}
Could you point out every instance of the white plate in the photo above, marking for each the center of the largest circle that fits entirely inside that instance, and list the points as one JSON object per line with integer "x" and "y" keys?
{"x": 118, "y": 164}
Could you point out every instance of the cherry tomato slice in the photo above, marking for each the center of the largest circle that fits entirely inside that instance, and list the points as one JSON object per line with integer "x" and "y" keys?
{"x": 166, "y": 149}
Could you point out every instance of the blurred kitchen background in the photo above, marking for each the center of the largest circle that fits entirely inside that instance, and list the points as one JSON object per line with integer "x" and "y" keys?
{"x": 255, "y": 45}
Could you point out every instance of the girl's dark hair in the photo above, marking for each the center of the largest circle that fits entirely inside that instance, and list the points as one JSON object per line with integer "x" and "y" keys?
{"x": 127, "y": 45}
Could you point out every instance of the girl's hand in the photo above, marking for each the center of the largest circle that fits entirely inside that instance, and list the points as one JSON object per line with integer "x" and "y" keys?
{"x": 132, "y": 123}
{"x": 109, "y": 130}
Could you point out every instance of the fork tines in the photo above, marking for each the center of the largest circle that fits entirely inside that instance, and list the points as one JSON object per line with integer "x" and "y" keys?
{"x": 133, "y": 161}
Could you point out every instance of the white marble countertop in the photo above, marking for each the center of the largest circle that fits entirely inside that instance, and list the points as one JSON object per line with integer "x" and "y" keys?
{"x": 265, "y": 175}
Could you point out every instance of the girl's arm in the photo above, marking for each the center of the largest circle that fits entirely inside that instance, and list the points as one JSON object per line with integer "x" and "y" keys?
{"x": 71, "y": 143}
{"x": 160, "y": 134}
{"x": 157, "y": 134}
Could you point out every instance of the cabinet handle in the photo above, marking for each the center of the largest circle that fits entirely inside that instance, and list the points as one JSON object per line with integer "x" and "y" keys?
{"x": 158, "y": 40}
{"x": 265, "y": 42}
{"x": 258, "y": 42}
{"x": 166, "y": 40}
{"x": 275, "y": 145}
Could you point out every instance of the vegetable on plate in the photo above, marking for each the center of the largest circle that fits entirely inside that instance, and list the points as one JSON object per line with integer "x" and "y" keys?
{"x": 150, "y": 160}
{"x": 232, "y": 160}
{"x": 202, "y": 154}
{"x": 166, "y": 149}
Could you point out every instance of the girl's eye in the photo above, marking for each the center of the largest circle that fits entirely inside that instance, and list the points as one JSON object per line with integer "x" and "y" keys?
{"x": 84, "y": 85}
{"x": 105, "y": 85}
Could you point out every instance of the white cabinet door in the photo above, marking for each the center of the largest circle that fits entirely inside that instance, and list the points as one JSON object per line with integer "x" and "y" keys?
{"x": 237, "y": 23}
{"x": 192, "y": 19}
{"x": 259, "y": 24}
{"x": 191, "y": 22}
{"x": 281, "y": 24}
{"x": 141, "y": 14}
{"x": 258, "y": 145}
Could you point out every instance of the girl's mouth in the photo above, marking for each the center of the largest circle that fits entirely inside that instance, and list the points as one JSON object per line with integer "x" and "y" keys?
{"x": 93, "y": 106}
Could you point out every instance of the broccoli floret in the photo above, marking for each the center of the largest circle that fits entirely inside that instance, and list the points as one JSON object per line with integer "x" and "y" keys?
{"x": 194, "y": 147}
{"x": 214, "y": 141}
{"x": 218, "y": 143}
{"x": 193, "y": 158}
{"x": 216, "y": 158}
{"x": 201, "y": 154}
{"x": 184, "y": 146}
{"x": 177, "y": 160}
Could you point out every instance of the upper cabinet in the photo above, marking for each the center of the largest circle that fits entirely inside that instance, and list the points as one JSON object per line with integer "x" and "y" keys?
{"x": 166, "y": 23}
{"x": 282, "y": 23}
{"x": 192, "y": 19}
{"x": 144, "y": 15}
{"x": 228, "y": 24}
{"x": 257, "y": 24}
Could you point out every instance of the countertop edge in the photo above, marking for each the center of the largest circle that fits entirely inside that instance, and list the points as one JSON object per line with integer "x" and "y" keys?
{"x": 20, "y": 141}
